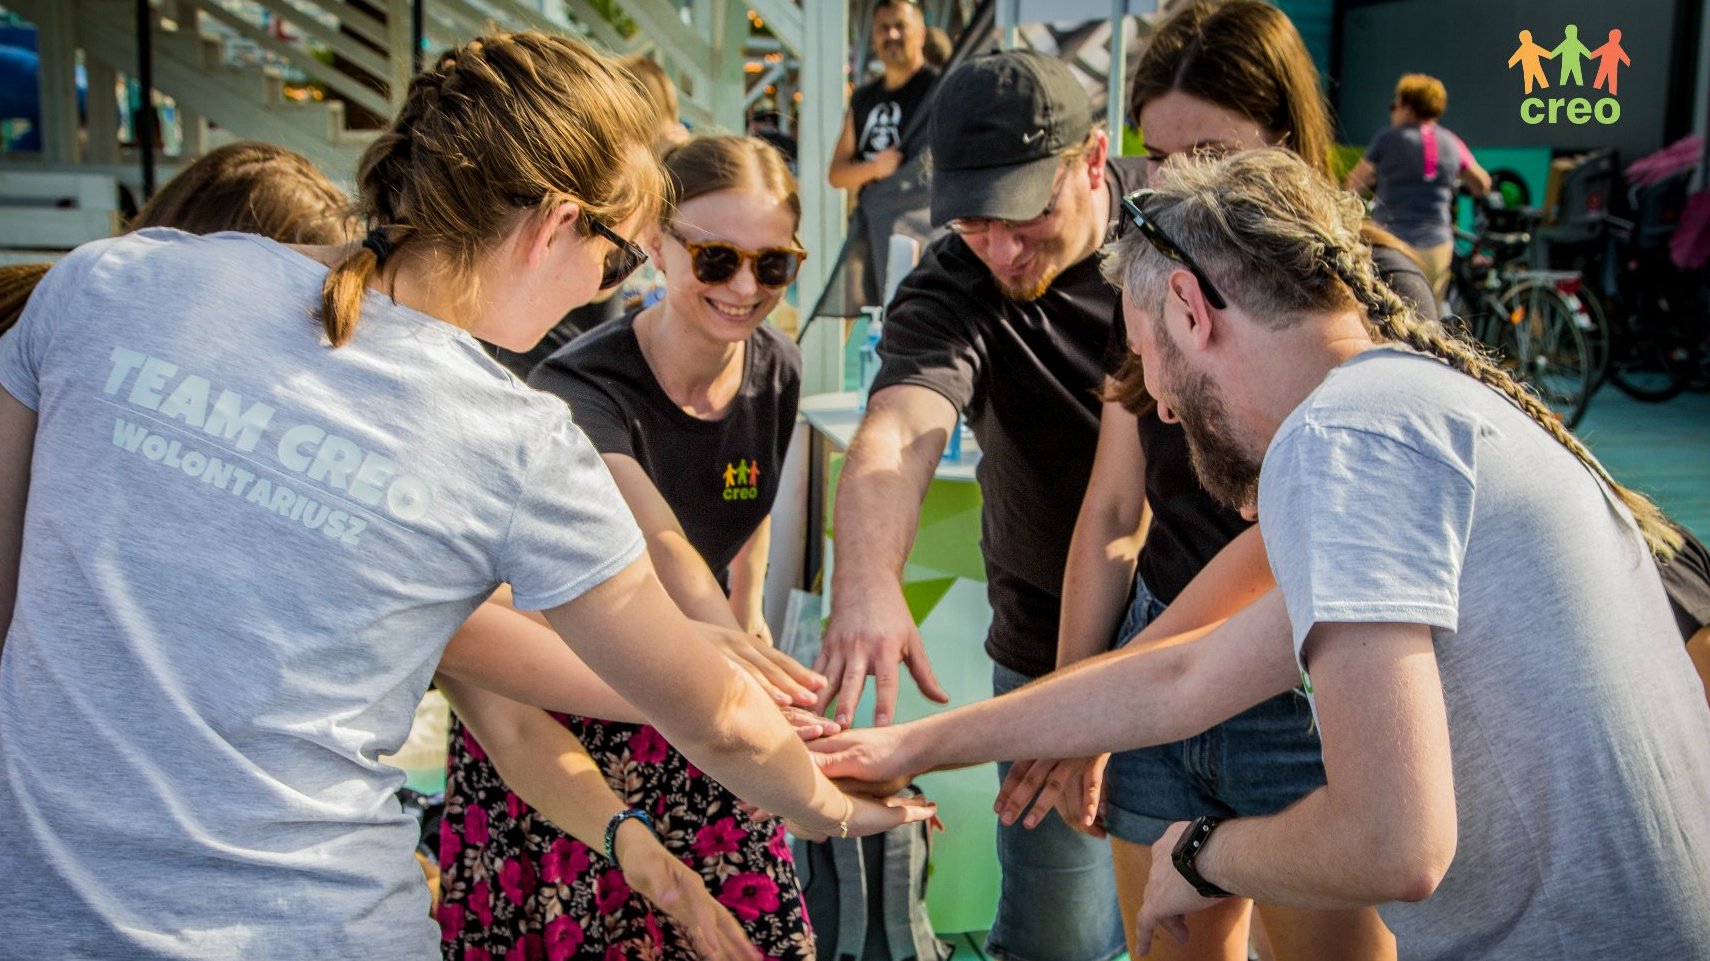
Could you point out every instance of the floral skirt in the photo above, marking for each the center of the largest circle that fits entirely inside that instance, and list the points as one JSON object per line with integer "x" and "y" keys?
{"x": 514, "y": 886}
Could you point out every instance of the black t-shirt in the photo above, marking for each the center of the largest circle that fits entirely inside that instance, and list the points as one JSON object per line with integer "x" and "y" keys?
{"x": 1188, "y": 526}
{"x": 1025, "y": 375}
{"x": 719, "y": 476}
{"x": 881, "y": 116}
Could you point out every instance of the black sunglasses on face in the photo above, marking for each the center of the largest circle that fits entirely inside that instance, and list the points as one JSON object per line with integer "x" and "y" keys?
{"x": 619, "y": 264}
{"x": 1162, "y": 243}
{"x": 715, "y": 261}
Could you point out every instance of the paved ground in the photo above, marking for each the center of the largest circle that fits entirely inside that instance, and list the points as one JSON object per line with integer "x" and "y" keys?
{"x": 1661, "y": 449}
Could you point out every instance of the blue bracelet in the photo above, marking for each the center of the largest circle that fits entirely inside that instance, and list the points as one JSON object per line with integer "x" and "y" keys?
{"x": 617, "y": 821}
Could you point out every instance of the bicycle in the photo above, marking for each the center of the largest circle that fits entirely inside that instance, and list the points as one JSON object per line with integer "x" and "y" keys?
{"x": 1646, "y": 318}
{"x": 1531, "y": 319}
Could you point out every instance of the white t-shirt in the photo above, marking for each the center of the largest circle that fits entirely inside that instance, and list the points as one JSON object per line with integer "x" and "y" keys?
{"x": 244, "y": 551}
{"x": 1402, "y": 491}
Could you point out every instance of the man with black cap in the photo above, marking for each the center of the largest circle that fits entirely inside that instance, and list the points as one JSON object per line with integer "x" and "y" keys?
{"x": 1006, "y": 321}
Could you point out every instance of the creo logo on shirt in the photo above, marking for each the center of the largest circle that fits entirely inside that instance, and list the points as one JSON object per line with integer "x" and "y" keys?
{"x": 1575, "y": 110}
{"x": 742, "y": 480}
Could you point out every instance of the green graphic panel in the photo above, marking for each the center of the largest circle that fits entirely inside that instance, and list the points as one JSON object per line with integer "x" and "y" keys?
{"x": 948, "y": 542}
{"x": 923, "y": 596}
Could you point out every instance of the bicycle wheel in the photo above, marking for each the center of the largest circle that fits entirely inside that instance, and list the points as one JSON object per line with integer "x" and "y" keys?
{"x": 1541, "y": 343}
{"x": 1589, "y": 315}
{"x": 1653, "y": 369}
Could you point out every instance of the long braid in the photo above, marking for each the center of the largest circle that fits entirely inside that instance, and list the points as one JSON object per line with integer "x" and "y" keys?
{"x": 1396, "y": 321}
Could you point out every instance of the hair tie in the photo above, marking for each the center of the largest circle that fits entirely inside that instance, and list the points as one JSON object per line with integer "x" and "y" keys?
{"x": 376, "y": 241}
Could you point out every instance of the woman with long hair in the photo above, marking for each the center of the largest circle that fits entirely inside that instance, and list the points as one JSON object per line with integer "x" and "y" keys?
{"x": 247, "y": 492}
{"x": 1214, "y": 77}
{"x": 691, "y": 403}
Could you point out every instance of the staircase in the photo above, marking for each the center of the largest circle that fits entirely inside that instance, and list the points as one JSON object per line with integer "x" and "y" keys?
{"x": 704, "y": 43}
{"x": 245, "y": 102}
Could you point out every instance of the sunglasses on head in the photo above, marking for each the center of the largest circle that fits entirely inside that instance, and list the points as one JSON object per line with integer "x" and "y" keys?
{"x": 1162, "y": 243}
{"x": 619, "y": 263}
{"x": 715, "y": 261}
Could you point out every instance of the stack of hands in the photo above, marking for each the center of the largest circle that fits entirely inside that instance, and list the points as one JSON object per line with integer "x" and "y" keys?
{"x": 800, "y": 694}
{"x": 877, "y": 804}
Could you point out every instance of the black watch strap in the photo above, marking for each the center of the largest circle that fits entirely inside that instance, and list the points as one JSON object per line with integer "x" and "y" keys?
{"x": 1187, "y": 851}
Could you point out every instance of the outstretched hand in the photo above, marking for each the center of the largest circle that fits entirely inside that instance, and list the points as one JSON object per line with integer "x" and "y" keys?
{"x": 871, "y": 815}
{"x": 781, "y": 676}
{"x": 874, "y": 639}
{"x": 876, "y": 757}
{"x": 681, "y": 893}
{"x": 1169, "y": 897}
{"x": 1075, "y": 786}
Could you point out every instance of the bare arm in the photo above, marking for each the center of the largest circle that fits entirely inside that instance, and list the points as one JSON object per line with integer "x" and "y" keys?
{"x": 1362, "y": 178}
{"x": 510, "y": 653}
{"x": 885, "y": 476}
{"x": 548, "y": 767}
{"x": 1475, "y": 177}
{"x": 631, "y": 634}
{"x": 1236, "y": 577}
{"x": 1109, "y": 532}
{"x": 748, "y": 582}
{"x": 1239, "y": 575}
{"x": 695, "y": 590}
{"x": 1381, "y": 829}
{"x": 680, "y": 566}
{"x": 1169, "y": 690}
{"x": 17, "y": 446}
{"x": 847, "y": 173}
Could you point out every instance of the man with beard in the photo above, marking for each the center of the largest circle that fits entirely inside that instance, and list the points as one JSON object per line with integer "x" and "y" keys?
{"x": 881, "y": 155}
{"x": 870, "y": 147}
{"x": 1005, "y": 321}
{"x": 1517, "y": 751}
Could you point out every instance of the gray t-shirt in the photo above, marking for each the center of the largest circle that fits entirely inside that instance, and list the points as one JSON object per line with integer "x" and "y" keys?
{"x": 1417, "y": 167}
{"x": 1402, "y": 491}
{"x": 243, "y": 554}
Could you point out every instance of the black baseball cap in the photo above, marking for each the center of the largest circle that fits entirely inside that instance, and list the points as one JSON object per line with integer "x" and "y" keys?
{"x": 998, "y": 124}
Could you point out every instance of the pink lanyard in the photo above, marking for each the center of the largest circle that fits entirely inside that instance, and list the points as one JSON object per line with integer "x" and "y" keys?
{"x": 1428, "y": 137}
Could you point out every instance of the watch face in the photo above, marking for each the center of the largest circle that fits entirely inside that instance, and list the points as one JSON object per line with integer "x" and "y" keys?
{"x": 1187, "y": 849}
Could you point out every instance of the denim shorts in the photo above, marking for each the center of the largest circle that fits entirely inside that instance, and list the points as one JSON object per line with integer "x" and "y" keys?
{"x": 1257, "y": 762}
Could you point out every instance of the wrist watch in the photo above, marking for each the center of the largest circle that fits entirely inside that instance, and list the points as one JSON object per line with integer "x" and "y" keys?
{"x": 1187, "y": 850}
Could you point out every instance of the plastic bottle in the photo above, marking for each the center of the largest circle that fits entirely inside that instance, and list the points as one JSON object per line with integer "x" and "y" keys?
{"x": 867, "y": 361}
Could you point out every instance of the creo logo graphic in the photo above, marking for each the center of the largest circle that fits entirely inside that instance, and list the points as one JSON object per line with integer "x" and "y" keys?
{"x": 1578, "y": 110}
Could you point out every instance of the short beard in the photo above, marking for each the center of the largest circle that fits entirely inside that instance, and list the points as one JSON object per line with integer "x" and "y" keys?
{"x": 1226, "y": 471}
{"x": 1032, "y": 292}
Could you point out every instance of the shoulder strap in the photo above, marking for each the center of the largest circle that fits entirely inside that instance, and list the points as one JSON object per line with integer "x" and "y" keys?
{"x": 851, "y": 897}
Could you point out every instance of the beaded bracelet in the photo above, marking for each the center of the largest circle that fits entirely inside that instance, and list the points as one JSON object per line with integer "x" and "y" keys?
{"x": 616, "y": 822}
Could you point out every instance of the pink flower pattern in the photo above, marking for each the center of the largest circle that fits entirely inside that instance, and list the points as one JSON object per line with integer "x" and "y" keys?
{"x": 563, "y": 938}
{"x": 564, "y": 862}
{"x": 516, "y": 887}
{"x": 723, "y": 836}
{"x": 648, "y": 746}
{"x": 749, "y": 895}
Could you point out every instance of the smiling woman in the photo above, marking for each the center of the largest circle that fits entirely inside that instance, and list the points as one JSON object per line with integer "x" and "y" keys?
{"x": 690, "y": 402}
